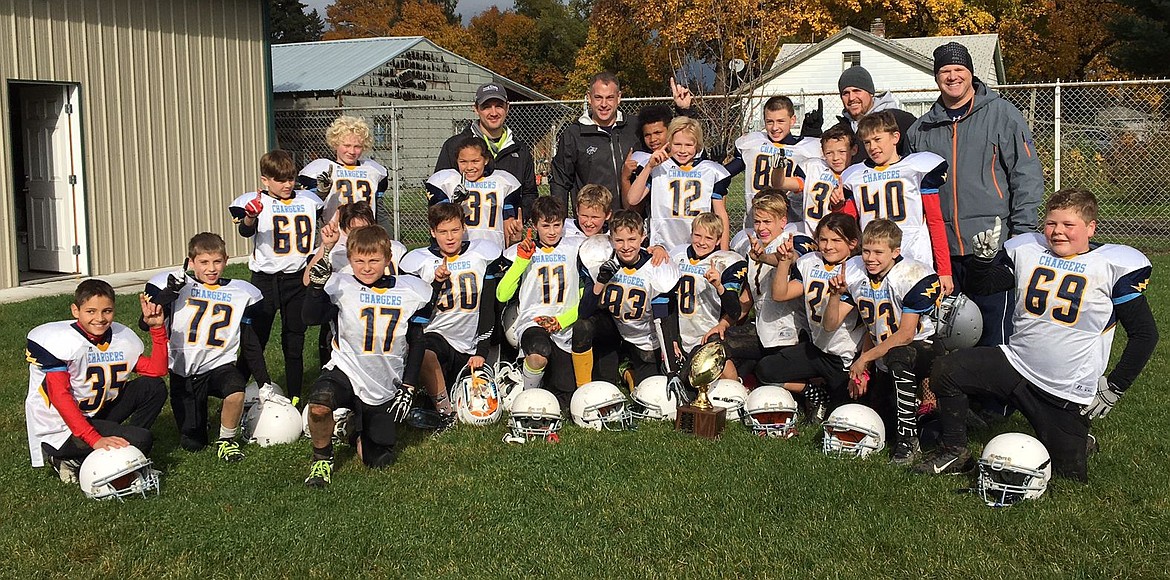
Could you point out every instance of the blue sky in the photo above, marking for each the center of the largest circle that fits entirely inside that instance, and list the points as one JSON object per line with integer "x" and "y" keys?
{"x": 467, "y": 8}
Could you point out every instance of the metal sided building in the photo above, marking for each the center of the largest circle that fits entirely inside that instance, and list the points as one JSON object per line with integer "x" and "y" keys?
{"x": 130, "y": 126}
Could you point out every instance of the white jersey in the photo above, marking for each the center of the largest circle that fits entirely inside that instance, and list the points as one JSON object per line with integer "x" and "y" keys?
{"x": 819, "y": 183}
{"x": 96, "y": 374}
{"x": 756, "y": 150}
{"x": 678, "y": 194}
{"x": 909, "y": 286}
{"x": 895, "y": 192}
{"x": 628, "y": 297}
{"x": 351, "y": 183}
{"x": 777, "y": 323}
{"x": 204, "y": 323}
{"x": 370, "y": 341}
{"x": 285, "y": 230}
{"x": 549, "y": 286}
{"x": 1064, "y": 309}
{"x": 814, "y": 274}
{"x": 490, "y": 200}
{"x": 699, "y": 305}
{"x": 457, "y": 301}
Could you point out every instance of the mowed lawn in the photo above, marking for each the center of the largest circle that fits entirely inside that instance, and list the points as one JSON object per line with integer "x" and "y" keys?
{"x": 646, "y": 504}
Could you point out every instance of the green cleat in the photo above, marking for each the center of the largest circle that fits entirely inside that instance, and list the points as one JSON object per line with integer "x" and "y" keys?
{"x": 320, "y": 474}
{"x": 229, "y": 451}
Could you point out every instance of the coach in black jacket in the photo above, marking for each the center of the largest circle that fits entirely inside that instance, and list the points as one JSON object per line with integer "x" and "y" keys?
{"x": 491, "y": 105}
{"x": 593, "y": 149}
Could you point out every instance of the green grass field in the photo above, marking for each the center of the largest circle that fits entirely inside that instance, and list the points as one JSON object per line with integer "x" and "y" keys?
{"x": 646, "y": 504}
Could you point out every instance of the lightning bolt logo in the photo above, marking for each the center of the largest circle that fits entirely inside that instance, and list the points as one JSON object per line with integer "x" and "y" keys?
{"x": 932, "y": 290}
{"x": 1141, "y": 287}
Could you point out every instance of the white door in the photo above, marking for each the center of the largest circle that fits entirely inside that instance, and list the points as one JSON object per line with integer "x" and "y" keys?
{"x": 48, "y": 165}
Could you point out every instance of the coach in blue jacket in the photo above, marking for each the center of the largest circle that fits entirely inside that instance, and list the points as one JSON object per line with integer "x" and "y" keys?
{"x": 994, "y": 171}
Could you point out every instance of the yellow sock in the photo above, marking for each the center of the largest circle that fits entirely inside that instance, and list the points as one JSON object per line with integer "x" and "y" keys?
{"x": 583, "y": 366}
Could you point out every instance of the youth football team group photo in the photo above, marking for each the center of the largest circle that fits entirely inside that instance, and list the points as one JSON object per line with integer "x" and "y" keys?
{"x": 896, "y": 280}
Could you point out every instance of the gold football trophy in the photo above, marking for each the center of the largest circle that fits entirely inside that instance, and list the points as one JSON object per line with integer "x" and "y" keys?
{"x": 701, "y": 418}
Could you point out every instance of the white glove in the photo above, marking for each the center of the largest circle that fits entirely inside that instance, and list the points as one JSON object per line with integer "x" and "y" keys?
{"x": 1107, "y": 396}
{"x": 986, "y": 244}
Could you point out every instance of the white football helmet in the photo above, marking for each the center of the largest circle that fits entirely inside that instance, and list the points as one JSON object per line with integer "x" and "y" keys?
{"x": 653, "y": 400}
{"x": 475, "y": 396}
{"x": 770, "y": 411}
{"x": 340, "y": 423}
{"x": 509, "y": 320}
{"x": 116, "y": 473}
{"x": 730, "y": 395}
{"x": 535, "y": 414}
{"x": 509, "y": 382}
{"x": 599, "y": 405}
{"x": 853, "y": 430}
{"x": 594, "y": 251}
{"x": 273, "y": 421}
{"x": 958, "y": 322}
{"x": 1014, "y": 467}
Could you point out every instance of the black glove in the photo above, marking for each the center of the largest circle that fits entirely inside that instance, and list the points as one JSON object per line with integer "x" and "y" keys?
{"x": 400, "y": 403}
{"x": 813, "y": 121}
{"x": 320, "y": 272}
{"x": 325, "y": 182}
{"x": 175, "y": 284}
{"x": 459, "y": 195}
{"x": 607, "y": 271}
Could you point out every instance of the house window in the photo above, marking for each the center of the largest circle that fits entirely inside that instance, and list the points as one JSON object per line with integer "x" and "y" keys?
{"x": 851, "y": 58}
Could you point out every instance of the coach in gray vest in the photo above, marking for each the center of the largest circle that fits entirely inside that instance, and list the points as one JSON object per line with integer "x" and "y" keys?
{"x": 994, "y": 171}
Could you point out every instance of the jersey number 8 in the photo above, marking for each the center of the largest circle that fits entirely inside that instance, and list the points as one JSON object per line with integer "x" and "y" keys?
{"x": 285, "y": 236}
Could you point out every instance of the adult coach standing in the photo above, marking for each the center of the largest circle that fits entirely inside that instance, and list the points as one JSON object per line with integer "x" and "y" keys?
{"x": 593, "y": 149}
{"x": 994, "y": 171}
{"x": 491, "y": 105}
{"x": 860, "y": 99}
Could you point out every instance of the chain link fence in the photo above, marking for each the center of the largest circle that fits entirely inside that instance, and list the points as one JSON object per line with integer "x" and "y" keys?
{"x": 1110, "y": 137}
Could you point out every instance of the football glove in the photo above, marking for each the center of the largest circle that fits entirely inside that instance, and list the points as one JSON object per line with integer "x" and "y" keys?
{"x": 176, "y": 283}
{"x": 320, "y": 272}
{"x": 985, "y": 245}
{"x": 400, "y": 403}
{"x": 325, "y": 182}
{"x": 677, "y": 390}
{"x": 813, "y": 121}
{"x": 607, "y": 271}
{"x": 459, "y": 195}
{"x": 1107, "y": 396}
{"x": 255, "y": 205}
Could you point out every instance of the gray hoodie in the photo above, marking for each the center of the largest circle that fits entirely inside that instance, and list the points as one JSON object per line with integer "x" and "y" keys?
{"x": 994, "y": 170}
{"x": 881, "y": 102}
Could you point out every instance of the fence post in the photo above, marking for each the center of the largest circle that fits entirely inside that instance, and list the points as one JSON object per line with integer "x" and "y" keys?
{"x": 394, "y": 162}
{"x": 1056, "y": 137}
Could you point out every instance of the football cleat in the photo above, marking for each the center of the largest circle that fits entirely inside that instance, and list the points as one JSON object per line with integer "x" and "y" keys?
{"x": 906, "y": 451}
{"x": 946, "y": 459}
{"x": 320, "y": 473}
{"x": 447, "y": 422}
{"x": 229, "y": 451}
{"x": 66, "y": 468}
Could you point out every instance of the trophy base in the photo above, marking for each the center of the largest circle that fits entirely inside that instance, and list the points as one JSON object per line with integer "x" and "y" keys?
{"x": 701, "y": 422}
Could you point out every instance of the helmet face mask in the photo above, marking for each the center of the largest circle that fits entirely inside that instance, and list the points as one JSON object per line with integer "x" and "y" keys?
{"x": 1014, "y": 467}
{"x": 770, "y": 411}
{"x": 117, "y": 473}
{"x": 853, "y": 430}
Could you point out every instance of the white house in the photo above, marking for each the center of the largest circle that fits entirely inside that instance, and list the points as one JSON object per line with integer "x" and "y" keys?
{"x": 805, "y": 72}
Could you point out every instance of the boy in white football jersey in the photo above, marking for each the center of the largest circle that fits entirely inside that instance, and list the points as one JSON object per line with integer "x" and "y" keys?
{"x": 1069, "y": 292}
{"x": 491, "y": 199}
{"x": 548, "y": 276}
{"x": 347, "y": 178}
{"x": 80, "y": 395}
{"x": 777, "y": 324}
{"x": 710, "y": 282}
{"x": 681, "y": 185}
{"x": 894, "y": 296}
{"x": 830, "y": 353}
{"x": 903, "y": 190}
{"x": 634, "y": 295}
{"x": 209, "y": 320}
{"x": 594, "y": 208}
{"x": 817, "y": 180}
{"x": 464, "y": 275}
{"x": 282, "y": 224}
{"x": 761, "y": 153}
{"x": 379, "y": 319}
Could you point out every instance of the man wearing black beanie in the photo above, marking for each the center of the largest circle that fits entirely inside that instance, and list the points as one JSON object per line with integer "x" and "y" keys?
{"x": 995, "y": 172}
